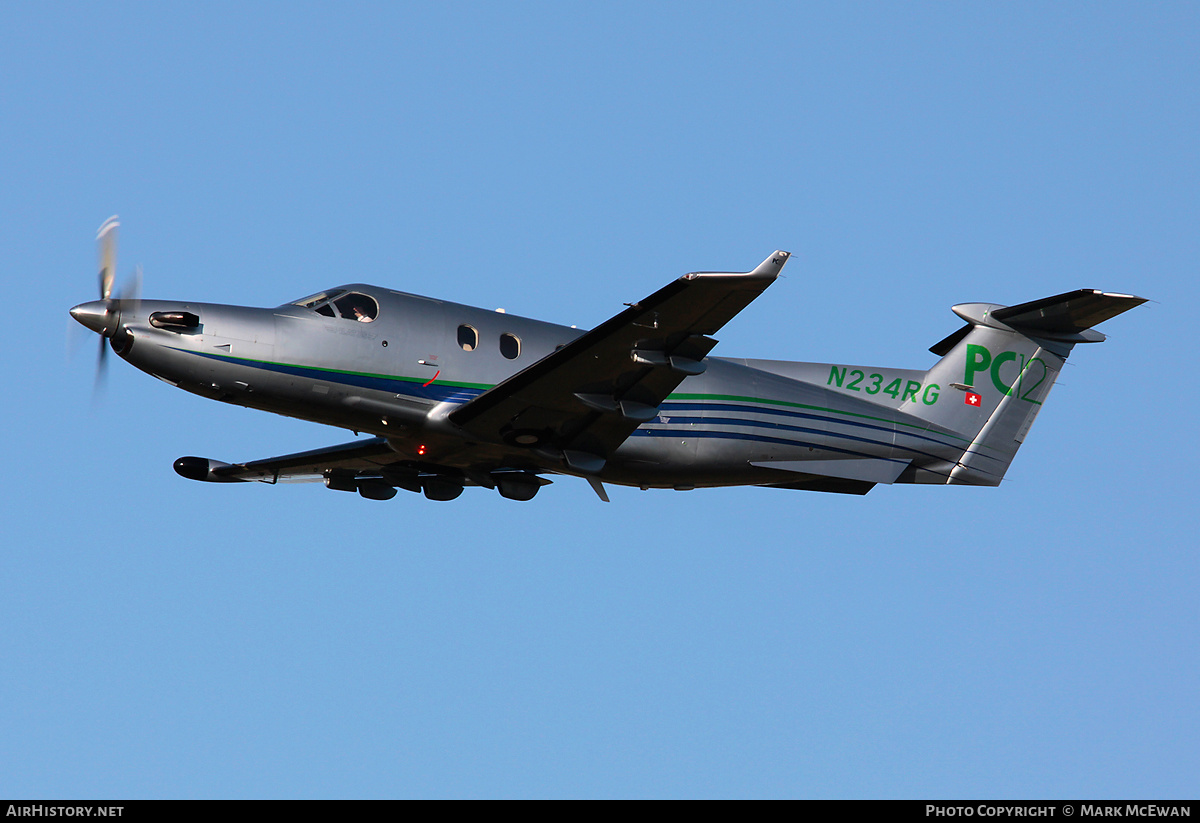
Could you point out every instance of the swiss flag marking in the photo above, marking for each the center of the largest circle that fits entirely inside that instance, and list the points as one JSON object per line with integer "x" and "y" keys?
{"x": 973, "y": 399}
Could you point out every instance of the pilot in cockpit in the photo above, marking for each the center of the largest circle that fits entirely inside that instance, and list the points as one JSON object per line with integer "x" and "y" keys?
{"x": 355, "y": 306}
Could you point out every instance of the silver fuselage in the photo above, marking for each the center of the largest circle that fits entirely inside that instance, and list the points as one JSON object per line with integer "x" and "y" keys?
{"x": 400, "y": 375}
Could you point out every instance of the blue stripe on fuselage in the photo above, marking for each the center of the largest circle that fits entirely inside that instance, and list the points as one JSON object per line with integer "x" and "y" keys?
{"x": 742, "y": 407}
{"x": 766, "y": 424}
{"x": 692, "y": 433}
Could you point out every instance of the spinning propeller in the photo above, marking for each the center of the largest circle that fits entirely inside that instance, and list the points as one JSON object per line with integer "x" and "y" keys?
{"x": 103, "y": 316}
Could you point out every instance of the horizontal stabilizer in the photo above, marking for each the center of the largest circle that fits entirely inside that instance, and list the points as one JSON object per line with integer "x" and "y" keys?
{"x": 1066, "y": 317}
{"x": 1068, "y": 313}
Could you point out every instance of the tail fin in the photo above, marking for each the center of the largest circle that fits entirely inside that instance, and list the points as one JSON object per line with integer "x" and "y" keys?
{"x": 998, "y": 370}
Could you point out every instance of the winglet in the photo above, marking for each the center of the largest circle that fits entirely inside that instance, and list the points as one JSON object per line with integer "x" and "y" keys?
{"x": 767, "y": 270}
{"x": 772, "y": 265}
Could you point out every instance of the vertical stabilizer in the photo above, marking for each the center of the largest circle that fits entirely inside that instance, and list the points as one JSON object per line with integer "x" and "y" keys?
{"x": 997, "y": 372}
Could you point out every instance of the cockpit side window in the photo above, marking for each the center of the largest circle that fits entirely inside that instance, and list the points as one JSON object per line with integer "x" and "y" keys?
{"x": 356, "y": 306}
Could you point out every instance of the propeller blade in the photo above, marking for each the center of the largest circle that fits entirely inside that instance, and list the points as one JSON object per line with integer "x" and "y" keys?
{"x": 101, "y": 372}
{"x": 106, "y": 242}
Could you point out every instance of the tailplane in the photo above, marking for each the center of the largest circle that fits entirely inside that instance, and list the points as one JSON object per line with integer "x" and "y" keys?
{"x": 997, "y": 371}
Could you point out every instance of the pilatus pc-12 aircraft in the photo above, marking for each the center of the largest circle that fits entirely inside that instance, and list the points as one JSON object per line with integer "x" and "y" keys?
{"x": 457, "y": 396}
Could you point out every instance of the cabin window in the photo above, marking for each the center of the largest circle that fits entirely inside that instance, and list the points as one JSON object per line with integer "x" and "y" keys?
{"x": 468, "y": 338}
{"x": 510, "y": 346}
{"x": 326, "y": 310}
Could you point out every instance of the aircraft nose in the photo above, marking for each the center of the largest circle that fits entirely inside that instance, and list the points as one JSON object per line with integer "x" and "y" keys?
{"x": 96, "y": 316}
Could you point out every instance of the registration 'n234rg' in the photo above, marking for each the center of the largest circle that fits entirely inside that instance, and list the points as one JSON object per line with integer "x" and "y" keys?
{"x": 875, "y": 383}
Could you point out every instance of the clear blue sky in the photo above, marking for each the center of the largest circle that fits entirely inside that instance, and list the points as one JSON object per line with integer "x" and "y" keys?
{"x": 163, "y": 638}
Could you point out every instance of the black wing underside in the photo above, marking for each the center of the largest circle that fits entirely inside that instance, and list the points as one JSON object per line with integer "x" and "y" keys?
{"x": 369, "y": 455}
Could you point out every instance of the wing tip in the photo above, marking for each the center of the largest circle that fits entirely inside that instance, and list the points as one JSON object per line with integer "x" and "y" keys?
{"x": 766, "y": 270}
{"x": 774, "y": 263}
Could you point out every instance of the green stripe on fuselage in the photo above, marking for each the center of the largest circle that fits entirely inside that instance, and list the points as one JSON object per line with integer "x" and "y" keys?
{"x": 675, "y": 396}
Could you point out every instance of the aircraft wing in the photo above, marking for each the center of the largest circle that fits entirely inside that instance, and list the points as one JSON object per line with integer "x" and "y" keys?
{"x": 357, "y": 456}
{"x": 581, "y": 402}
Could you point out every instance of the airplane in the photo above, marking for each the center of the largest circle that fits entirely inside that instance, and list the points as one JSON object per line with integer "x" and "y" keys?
{"x": 455, "y": 396}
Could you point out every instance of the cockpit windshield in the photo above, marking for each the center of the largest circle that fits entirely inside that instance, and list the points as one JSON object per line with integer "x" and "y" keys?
{"x": 311, "y": 301}
{"x": 348, "y": 305}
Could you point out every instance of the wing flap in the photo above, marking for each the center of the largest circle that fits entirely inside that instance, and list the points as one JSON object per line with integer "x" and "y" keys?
{"x": 832, "y": 485}
{"x": 868, "y": 469}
